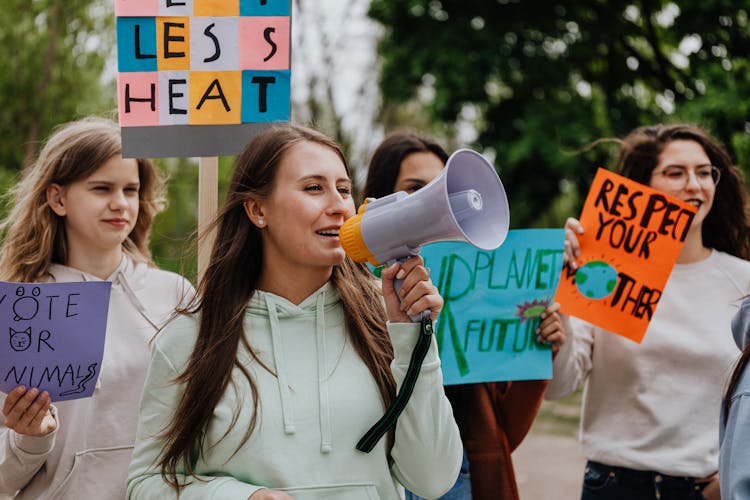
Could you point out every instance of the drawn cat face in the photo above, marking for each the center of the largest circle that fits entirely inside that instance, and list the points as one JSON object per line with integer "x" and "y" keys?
{"x": 20, "y": 341}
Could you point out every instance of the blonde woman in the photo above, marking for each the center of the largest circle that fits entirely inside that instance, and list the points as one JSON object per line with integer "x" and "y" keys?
{"x": 82, "y": 212}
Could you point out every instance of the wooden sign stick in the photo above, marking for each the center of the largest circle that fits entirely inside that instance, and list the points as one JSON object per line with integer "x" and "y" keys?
{"x": 208, "y": 197}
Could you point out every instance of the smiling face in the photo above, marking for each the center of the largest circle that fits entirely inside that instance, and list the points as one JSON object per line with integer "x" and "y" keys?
{"x": 308, "y": 203}
{"x": 699, "y": 190}
{"x": 417, "y": 170}
{"x": 99, "y": 211}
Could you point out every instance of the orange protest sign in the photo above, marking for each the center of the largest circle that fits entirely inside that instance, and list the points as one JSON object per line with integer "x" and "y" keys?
{"x": 632, "y": 237}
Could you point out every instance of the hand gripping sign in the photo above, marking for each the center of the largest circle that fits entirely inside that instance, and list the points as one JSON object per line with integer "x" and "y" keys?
{"x": 52, "y": 336}
{"x": 632, "y": 237}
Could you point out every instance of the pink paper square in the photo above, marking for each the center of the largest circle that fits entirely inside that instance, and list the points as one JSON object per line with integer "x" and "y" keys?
{"x": 264, "y": 42}
{"x": 143, "y": 89}
{"x": 136, "y": 8}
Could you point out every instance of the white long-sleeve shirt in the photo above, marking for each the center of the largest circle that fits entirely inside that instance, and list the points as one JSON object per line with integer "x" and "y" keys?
{"x": 655, "y": 405}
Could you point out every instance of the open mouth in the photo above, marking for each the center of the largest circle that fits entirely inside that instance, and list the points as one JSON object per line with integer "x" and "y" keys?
{"x": 332, "y": 233}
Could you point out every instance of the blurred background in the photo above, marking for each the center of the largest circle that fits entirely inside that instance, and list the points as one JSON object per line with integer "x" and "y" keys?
{"x": 528, "y": 83}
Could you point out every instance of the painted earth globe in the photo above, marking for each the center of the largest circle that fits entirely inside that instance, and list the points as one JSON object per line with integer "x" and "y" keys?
{"x": 596, "y": 279}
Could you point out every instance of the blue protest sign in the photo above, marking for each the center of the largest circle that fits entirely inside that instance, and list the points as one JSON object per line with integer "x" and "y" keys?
{"x": 493, "y": 300}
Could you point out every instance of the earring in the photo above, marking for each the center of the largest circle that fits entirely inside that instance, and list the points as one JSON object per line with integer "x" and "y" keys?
{"x": 260, "y": 222}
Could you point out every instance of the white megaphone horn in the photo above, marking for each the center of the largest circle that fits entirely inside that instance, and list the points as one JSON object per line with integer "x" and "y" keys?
{"x": 466, "y": 202}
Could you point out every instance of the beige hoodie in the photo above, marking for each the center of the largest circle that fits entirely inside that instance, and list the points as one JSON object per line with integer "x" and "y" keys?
{"x": 87, "y": 456}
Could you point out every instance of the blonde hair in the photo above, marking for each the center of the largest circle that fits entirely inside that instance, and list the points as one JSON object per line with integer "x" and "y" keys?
{"x": 34, "y": 236}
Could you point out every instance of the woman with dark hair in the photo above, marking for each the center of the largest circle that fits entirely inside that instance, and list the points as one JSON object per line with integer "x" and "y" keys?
{"x": 493, "y": 417}
{"x": 263, "y": 386}
{"x": 404, "y": 161}
{"x": 649, "y": 414}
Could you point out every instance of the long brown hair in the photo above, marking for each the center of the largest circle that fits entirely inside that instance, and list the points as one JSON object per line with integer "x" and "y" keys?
{"x": 34, "y": 234}
{"x": 734, "y": 380}
{"x": 727, "y": 225}
{"x": 229, "y": 282}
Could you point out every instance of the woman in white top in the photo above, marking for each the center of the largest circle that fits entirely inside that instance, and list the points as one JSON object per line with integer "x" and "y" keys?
{"x": 650, "y": 411}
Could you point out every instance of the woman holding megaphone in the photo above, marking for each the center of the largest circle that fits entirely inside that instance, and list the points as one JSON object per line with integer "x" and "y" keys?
{"x": 262, "y": 387}
{"x": 493, "y": 417}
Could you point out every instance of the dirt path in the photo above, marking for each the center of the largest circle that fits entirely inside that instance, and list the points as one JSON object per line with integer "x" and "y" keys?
{"x": 549, "y": 467}
{"x": 548, "y": 463}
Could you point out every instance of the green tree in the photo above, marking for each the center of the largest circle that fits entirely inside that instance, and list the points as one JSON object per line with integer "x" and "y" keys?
{"x": 55, "y": 53}
{"x": 173, "y": 242}
{"x": 540, "y": 80}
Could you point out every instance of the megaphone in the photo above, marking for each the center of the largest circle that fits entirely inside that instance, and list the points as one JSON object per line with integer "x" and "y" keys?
{"x": 466, "y": 202}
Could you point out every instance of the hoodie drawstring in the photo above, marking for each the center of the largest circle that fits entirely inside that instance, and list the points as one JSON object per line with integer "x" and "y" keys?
{"x": 278, "y": 358}
{"x": 325, "y": 410}
{"x": 326, "y": 442}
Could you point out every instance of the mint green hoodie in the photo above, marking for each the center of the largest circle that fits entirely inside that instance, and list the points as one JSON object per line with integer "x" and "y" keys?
{"x": 310, "y": 416}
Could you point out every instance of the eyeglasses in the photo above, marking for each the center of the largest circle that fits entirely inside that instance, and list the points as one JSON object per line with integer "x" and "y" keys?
{"x": 678, "y": 176}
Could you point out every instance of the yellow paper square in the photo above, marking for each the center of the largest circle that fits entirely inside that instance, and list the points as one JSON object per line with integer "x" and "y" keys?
{"x": 173, "y": 43}
{"x": 216, "y": 7}
{"x": 215, "y": 97}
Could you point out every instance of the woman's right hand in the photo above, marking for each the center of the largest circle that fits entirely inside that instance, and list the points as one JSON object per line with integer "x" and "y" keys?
{"x": 266, "y": 494}
{"x": 27, "y": 412}
{"x": 572, "y": 249}
{"x": 551, "y": 330}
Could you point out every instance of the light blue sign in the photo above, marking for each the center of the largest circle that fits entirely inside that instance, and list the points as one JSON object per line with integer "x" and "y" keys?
{"x": 493, "y": 300}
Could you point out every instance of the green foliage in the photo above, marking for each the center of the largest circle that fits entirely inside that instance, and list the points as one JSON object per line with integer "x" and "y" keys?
{"x": 548, "y": 78}
{"x": 60, "y": 49}
{"x": 55, "y": 53}
{"x": 173, "y": 242}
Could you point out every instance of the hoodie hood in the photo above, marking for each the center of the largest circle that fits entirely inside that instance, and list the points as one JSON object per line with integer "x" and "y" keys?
{"x": 129, "y": 277}
{"x": 741, "y": 324}
{"x": 278, "y": 309}
{"x": 259, "y": 303}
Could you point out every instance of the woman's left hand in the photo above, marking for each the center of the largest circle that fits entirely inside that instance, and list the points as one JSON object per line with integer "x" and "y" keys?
{"x": 417, "y": 292}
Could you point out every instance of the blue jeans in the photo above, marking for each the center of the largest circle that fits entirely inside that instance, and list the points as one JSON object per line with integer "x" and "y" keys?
{"x": 461, "y": 490}
{"x": 606, "y": 482}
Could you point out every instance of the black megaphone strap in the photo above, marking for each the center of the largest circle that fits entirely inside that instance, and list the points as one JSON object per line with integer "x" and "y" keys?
{"x": 371, "y": 438}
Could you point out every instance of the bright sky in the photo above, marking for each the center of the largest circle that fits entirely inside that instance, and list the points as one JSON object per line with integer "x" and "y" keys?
{"x": 333, "y": 45}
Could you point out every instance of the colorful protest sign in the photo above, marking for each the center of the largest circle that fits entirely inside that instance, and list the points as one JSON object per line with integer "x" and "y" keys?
{"x": 493, "y": 300}
{"x": 632, "y": 237}
{"x": 55, "y": 336}
{"x": 200, "y": 77}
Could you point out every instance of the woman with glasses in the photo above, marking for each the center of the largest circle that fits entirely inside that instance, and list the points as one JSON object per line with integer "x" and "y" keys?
{"x": 650, "y": 411}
